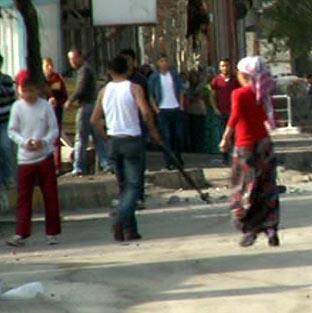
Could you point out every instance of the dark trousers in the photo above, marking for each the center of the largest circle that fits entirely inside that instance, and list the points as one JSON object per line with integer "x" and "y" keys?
{"x": 197, "y": 132}
{"x": 28, "y": 175}
{"x": 223, "y": 122}
{"x": 127, "y": 154}
{"x": 186, "y": 133}
{"x": 6, "y": 156}
{"x": 142, "y": 175}
{"x": 144, "y": 161}
{"x": 170, "y": 123}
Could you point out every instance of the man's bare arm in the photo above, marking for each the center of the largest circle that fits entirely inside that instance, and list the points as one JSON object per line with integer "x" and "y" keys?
{"x": 181, "y": 102}
{"x": 153, "y": 105}
{"x": 97, "y": 118}
{"x": 146, "y": 112}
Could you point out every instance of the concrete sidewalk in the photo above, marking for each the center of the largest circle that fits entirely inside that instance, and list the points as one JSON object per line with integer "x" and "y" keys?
{"x": 294, "y": 153}
{"x": 98, "y": 191}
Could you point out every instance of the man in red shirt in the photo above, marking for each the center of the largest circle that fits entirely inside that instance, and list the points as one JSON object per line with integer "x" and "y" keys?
{"x": 223, "y": 85}
{"x": 57, "y": 95}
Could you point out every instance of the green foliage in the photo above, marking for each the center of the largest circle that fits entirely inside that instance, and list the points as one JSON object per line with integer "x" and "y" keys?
{"x": 288, "y": 24}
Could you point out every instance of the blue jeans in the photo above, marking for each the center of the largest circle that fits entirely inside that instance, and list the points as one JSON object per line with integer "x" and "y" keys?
{"x": 170, "y": 123}
{"x": 144, "y": 164}
{"x": 83, "y": 131}
{"x": 6, "y": 156}
{"x": 127, "y": 154}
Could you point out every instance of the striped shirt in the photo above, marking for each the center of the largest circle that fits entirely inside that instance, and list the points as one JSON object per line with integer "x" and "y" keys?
{"x": 7, "y": 97}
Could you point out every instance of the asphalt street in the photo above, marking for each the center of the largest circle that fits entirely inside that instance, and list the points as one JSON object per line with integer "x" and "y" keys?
{"x": 189, "y": 261}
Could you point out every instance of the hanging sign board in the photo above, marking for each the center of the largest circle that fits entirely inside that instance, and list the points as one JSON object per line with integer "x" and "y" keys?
{"x": 124, "y": 12}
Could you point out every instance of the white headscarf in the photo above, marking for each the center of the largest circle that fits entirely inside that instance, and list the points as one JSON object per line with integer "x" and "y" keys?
{"x": 262, "y": 83}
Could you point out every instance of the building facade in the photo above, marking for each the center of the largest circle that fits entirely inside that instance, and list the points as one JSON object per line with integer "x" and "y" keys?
{"x": 65, "y": 24}
{"x": 13, "y": 37}
{"x": 222, "y": 34}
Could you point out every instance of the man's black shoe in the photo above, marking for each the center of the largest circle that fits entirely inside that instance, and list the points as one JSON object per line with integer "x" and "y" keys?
{"x": 170, "y": 167}
{"x": 118, "y": 232}
{"x": 133, "y": 236}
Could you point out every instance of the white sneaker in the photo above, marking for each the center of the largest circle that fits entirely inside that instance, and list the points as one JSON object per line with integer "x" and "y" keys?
{"x": 16, "y": 241}
{"x": 76, "y": 173}
{"x": 52, "y": 240}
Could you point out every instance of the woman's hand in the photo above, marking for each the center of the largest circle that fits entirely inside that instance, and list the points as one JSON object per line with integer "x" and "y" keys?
{"x": 224, "y": 145}
{"x": 238, "y": 214}
{"x": 226, "y": 139}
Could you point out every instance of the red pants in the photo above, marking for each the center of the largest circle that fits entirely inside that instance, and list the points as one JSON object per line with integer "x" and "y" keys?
{"x": 58, "y": 148}
{"x": 58, "y": 154}
{"x": 28, "y": 175}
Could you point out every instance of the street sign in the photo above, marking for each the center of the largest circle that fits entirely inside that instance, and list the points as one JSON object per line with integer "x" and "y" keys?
{"x": 124, "y": 12}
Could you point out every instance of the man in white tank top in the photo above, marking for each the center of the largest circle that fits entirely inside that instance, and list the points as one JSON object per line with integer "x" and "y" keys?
{"x": 137, "y": 78}
{"x": 120, "y": 102}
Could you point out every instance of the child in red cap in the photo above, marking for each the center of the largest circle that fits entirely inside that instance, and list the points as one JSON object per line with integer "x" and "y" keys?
{"x": 33, "y": 127}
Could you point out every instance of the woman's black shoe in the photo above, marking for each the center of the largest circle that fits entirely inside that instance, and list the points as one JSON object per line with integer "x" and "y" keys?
{"x": 274, "y": 241}
{"x": 248, "y": 240}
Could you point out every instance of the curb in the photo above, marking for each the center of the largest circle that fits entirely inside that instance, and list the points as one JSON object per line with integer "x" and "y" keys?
{"x": 91, "y": 192}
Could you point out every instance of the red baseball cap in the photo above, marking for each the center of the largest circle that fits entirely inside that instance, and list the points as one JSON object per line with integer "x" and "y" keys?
{"x": 22, "y": 76}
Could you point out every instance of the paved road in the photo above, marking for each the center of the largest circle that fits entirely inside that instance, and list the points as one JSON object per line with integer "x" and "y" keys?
{"x": 189, "y": 262}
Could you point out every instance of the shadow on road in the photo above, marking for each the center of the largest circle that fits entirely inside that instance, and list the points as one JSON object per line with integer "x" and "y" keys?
{"x": 165, "y": 281}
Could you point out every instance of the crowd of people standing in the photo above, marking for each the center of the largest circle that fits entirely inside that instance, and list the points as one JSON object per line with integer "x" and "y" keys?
{"x": 200, "y": 108}
{"x": 179, "y": 111}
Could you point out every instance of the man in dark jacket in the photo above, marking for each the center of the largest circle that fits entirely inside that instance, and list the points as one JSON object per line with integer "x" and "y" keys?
{"x": 85, "y": 96}
{"x": 7, "y": 97}
{"x": 166, "y": 98}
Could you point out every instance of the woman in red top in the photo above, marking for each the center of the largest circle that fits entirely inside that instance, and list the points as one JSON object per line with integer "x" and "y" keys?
{"x": 57, "y": 98}
{"x": 255, "y": 202}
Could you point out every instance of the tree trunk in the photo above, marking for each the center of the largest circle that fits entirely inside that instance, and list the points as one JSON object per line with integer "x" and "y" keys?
{"x": 33, "y": 60}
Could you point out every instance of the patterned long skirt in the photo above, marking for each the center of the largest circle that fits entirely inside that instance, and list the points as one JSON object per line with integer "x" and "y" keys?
{"x": 255, "y": 201}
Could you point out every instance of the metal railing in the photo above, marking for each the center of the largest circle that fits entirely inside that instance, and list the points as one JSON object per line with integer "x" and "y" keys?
{"x": 286, "y": 121}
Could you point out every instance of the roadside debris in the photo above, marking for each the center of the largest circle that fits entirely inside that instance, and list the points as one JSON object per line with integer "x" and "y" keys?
{"x": 27, "y": 291}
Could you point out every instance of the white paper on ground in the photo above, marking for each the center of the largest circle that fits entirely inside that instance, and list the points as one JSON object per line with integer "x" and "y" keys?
{"x": 27, "y": 291}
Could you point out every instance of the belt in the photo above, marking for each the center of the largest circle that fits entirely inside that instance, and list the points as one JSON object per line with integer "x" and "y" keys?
{"x": 125, "y": 137}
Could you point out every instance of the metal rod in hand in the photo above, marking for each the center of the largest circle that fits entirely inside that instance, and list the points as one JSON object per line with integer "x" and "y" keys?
{"x": 176, "y": 163}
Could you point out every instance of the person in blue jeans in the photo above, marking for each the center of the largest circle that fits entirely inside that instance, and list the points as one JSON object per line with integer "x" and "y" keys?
{"x": 120, "y": 102}
{"x": 85, "y": 95}
{"x": 137, "y": 78}
{"x": 166, "y": 97}
{"x": 7, "y": 98}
